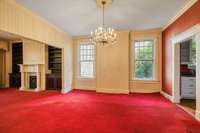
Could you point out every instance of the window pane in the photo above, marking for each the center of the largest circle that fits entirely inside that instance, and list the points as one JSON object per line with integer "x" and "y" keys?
{"x": 137, "y": 44}
{"x": 149, "y": 56}
{"x": 86, "y": 69}
{"x": 81, "y": 58}
{"x": 149, "y": 43}
{"x": 144, "y": 69}
{"x": 137, "y": 55}
{"x": 81, "y": 52}
{"x": 81, "y": 47}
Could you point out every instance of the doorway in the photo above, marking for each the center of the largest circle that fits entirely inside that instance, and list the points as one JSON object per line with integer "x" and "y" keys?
{"x": 194, "y": 33}
{"x": 188, "y": 75}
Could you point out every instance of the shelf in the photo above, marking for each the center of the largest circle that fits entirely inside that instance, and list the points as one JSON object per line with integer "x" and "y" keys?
{"x": 54, "y": 68}
{"x": 55, "y": 52}
{"x": 17, "y": 56}
{"x": 55, "y": 60}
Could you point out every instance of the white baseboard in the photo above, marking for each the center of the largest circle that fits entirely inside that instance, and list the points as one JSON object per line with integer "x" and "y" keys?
{"x": 144, "y": 90}
{"x": 166, "y": 95}
{"x": 85, "y": 88}
{"x": 30, "y": 90}
{"x": 66, "y": 90}
{"x": 112, "y": 91}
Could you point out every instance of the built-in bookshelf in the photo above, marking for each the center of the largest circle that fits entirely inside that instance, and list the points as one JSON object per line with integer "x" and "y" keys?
{"x": 53, "y": 80}
{"x": 55, "y": 59}
{"x": 17, "y": 58}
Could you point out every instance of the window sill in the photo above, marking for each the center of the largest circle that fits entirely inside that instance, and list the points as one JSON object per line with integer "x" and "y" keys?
{"x": 145, "y": 81}
{"x": 86, "y": 78}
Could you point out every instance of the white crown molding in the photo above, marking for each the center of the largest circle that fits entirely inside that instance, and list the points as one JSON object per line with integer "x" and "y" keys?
{"x": 180, "y": 12}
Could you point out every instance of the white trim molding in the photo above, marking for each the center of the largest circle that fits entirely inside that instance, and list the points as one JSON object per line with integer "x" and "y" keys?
{"x": 66, "y": 90}
{"x": 191, "y": 33}
{"x": 112, "y": 91}
{"x": 166, "y": 95}
{"x": 85, "y": 88}
{"x": 186, "y": 34}
{"x": 181, "y": 12}
{"x": 144, "y": 90}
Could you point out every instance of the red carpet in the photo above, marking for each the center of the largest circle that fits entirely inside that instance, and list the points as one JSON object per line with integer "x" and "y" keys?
{"x": 89, "y": 112}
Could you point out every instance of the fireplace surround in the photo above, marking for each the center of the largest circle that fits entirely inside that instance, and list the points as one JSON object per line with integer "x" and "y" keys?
{"x": 32, "y": 77}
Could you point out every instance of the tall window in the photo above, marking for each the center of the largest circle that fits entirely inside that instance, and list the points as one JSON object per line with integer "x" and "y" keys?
{"x": 144, "y": 59}
{"x": 86, "y": 60}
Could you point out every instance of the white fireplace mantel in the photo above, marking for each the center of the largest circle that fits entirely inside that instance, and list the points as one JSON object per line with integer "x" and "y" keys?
{"x": 28, "y": 70}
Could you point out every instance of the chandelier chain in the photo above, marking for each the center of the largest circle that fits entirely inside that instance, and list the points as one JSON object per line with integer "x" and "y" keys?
{"x": 103, "y": 3}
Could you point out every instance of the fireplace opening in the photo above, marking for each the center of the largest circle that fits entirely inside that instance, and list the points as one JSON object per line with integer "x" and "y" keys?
{"x": 33, "y": 82}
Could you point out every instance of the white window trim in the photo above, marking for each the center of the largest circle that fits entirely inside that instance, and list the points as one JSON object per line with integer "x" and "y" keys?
{"x": 154, "y": 60}
{"x": 78, "y": 61}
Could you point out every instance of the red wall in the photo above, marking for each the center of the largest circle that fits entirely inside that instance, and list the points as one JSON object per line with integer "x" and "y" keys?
{"x": 187, "y": 20}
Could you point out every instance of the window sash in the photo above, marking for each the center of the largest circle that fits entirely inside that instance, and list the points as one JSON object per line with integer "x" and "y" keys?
{"x": 141, "y": 45}
{"x": 86, "y": 73}
{"x": 148, "y": 74}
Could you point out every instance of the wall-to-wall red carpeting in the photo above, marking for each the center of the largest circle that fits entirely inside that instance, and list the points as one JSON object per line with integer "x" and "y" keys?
{"x": 89, "y": 112}
{"x": 187, "y": 20}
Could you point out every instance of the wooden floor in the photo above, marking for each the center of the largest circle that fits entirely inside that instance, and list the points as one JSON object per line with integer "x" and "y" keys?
{"x": 188, "y": 105}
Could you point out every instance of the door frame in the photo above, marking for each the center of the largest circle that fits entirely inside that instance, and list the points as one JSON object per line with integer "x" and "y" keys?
{"x": 193, "y": 32}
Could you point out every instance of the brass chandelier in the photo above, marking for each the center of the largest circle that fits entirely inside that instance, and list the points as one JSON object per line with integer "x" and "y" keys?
{"x": 103, "y": 35}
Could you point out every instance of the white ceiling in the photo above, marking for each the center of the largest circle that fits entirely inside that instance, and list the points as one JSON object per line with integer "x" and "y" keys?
{"x": 79, "y": 17}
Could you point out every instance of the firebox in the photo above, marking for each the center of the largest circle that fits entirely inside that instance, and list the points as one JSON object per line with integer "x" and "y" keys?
{"x": 33, "y": 82}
